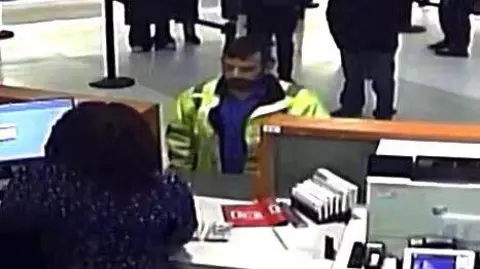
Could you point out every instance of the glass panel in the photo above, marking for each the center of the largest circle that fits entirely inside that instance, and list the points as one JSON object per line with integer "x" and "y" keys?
{"x": 297, "y": 157}
{"x": 221, "y": 185}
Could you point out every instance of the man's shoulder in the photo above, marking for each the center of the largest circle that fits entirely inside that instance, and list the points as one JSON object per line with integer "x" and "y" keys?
{"x": 292, "y": 88}
{"x": 199, "y": 90}
{"x": 208, "y": 85}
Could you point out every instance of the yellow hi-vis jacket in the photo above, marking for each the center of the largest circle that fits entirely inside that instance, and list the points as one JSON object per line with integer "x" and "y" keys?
{"x": 192, "y": 141}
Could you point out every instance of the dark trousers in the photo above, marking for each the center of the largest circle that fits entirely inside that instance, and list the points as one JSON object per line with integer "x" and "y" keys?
{"x": 279, "y": 22}
{"x": 455, "y": 22}
{"x": 140, "y": 34}
{"x": 359, "y": 66}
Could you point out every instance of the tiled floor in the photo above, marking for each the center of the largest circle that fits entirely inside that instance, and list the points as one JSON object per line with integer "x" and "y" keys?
{"x": 66, "y": 55}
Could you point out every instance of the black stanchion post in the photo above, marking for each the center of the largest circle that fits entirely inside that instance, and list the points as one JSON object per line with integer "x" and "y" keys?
{"x": 405, "y": 9}
{"x": 4, "y": 34}
{"x": 111, "y": 81}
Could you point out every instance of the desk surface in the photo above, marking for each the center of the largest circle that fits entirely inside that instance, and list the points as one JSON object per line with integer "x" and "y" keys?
{"x": 428, "y": 148}
{"x": 252, "y": 248}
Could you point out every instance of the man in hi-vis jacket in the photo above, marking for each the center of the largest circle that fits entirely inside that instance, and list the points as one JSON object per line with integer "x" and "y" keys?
{"x": 216, "y": 125}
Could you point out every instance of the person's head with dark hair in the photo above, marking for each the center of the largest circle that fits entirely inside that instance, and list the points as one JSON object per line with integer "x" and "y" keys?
{"x": 246, "y": 60}
{"x": 108, "y": 143}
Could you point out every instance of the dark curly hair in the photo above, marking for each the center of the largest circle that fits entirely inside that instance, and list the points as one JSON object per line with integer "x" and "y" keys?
{"x": 109, "y": 143}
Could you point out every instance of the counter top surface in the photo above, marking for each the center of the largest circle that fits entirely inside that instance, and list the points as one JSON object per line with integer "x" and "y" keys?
{"x": 251, "y": 248}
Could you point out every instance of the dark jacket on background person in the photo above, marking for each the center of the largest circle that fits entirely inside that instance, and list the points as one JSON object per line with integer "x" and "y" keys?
{"x": 152, "y": 10}
{"x": 180, "y": 10}
{"x": 364, "y": 25}
{"x": 185, "y": 10}
{"x": 250, "y": 6}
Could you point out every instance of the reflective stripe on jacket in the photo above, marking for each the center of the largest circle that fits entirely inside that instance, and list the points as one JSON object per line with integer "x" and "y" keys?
{"x": 192, "y": 141}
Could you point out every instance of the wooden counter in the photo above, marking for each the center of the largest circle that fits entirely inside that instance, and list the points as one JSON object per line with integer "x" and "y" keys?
{"x": 349, "y": 129}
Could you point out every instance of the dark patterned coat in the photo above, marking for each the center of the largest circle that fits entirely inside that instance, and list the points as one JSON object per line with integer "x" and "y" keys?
{"x": 84, "y": 226}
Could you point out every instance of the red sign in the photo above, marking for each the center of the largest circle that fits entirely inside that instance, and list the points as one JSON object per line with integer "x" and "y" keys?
{"x": 261, "y": 213}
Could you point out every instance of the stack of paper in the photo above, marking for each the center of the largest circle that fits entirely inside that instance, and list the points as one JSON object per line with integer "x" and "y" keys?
{"x": 324, "y": 197}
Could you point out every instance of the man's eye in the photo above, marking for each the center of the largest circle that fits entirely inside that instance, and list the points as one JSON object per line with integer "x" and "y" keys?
{"x": 247, "y": 69}
{"x": 229, "y": 67}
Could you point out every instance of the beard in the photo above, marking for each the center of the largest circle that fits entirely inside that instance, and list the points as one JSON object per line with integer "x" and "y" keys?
{"x": 238, "y": 84}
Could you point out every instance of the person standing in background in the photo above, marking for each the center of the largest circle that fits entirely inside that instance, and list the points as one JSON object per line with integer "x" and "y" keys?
{"x": 454, "y": 18}
{"x": 278, "y": 18}
{"x": 140, "y": 14}
{"x": 186, "y": 12}
{"x": 366, "y": 32}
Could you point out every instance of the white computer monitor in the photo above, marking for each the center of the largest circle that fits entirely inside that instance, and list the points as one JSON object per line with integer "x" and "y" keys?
{"x": 399, "y": 209}
{"x": 424, "y": 258}
{"x": 26, "y": 126}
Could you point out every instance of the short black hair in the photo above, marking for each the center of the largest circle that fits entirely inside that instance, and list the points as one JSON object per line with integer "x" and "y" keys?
{"x": 109, "y": 143}
{"x": 245, "y": 46}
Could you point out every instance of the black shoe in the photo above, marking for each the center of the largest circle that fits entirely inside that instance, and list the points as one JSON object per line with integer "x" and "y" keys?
{"x": 451, "y": 52}
{"x": 439, "y": 45}
{"x": 193, "y": 40}
{"x": 141, "y": 49}
{"x": 170, "y": 39}
{"x": 384, "y": 117}
{"x": 167, "y": 44}
{"x": 342, "y": 113}
{"x": 413, "y": 29}
{"x": 388, "y": 115}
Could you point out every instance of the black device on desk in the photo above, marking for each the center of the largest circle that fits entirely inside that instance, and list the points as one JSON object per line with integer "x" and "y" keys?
{"x": 370, "y": 255}
{"x": 446, "y": 169}
{"x": 390, "y": 166}
{"x": 432, "y": 242}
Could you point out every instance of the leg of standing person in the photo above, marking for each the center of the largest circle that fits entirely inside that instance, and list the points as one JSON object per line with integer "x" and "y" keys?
{"x": 139, "y": 36}
{"x": 259, "y": 25}
{"x": 163, "y": 37}
{"x": 458, "y": 21}
{"x": 352, "y": 97}
{"x": 284, "y": 24}
{"x": 382, "y": 72}
{"x": 444, "y": 25}
{"x": 190, "y": 33}
{"x": 189, "y": 18}
{"x": 465, "y": 27}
